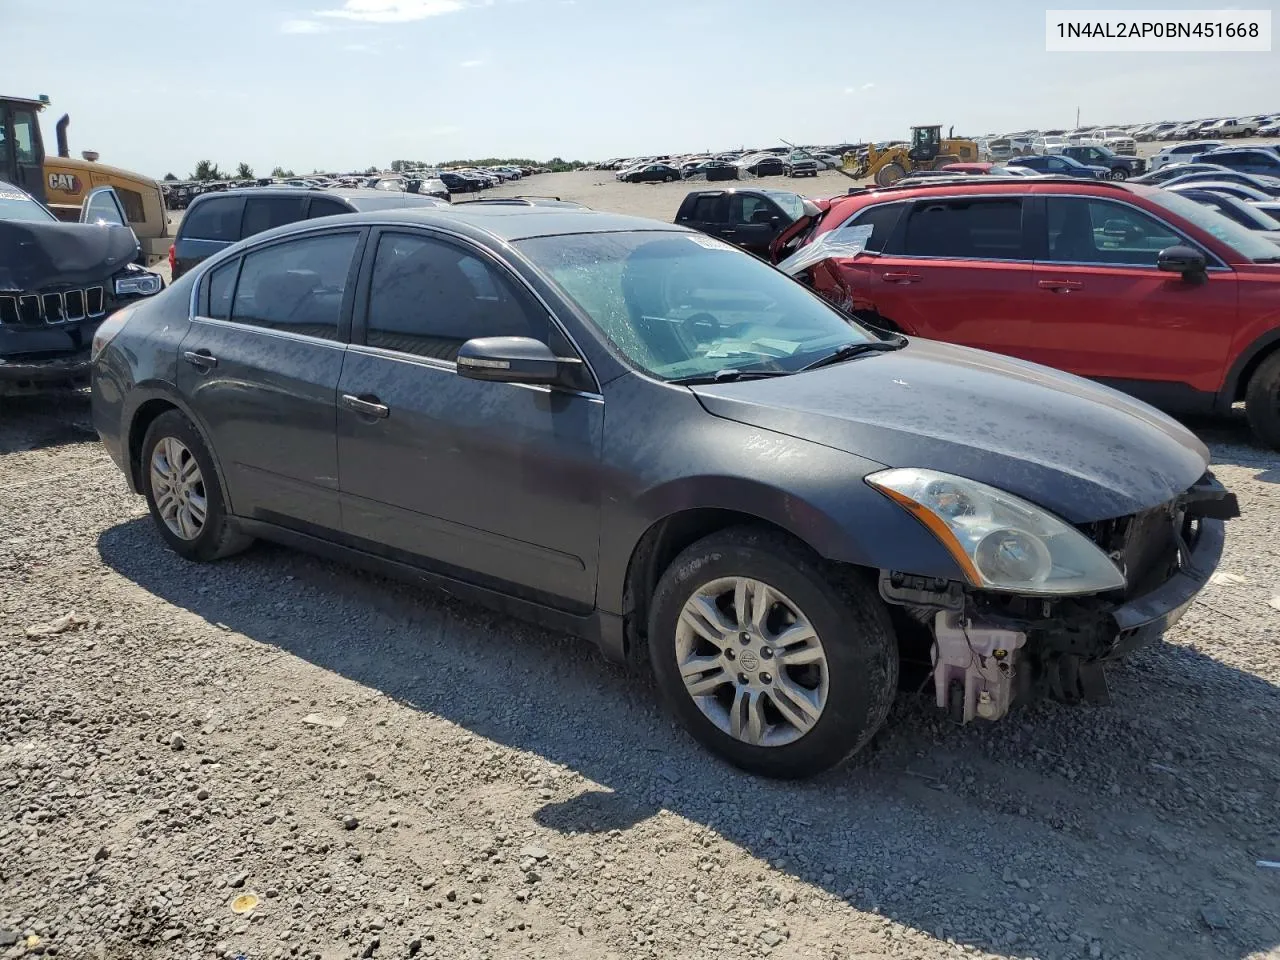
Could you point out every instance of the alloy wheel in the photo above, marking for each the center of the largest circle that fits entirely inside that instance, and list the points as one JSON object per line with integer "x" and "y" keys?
{"x": 177, "y": 486}
{"x": 752, "y": 661}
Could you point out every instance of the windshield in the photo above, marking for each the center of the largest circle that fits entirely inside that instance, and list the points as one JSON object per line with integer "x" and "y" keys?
{"x": 18, "y": 206}
{"x": 685, "y": 305}
{"x": 1241, "y": 239}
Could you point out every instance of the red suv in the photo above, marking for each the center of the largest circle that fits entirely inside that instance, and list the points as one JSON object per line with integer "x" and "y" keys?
{"x": 1134, "y": 286}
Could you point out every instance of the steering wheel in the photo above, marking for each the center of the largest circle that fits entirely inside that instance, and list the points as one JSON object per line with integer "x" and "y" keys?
{"x": 704, "y": 321}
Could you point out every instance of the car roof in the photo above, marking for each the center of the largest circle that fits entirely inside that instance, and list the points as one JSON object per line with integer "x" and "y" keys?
{"x": 967, "y": 184}
{"x": 500, "y": 221}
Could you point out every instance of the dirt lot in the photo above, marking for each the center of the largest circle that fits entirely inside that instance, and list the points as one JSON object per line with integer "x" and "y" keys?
{"x": 393, "y": 774}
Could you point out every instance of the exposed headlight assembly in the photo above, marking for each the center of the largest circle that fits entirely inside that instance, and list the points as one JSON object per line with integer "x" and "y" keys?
{"x": 136, "y": 282}
{"x": 1000, "y": 541}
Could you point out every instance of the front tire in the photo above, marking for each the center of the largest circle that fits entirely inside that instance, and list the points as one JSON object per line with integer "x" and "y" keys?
{"x": 1119, "y": 173}
{"x": 1262, "y": 401}
{"x": 771, "y": 659}
{"x": 890, "y": 174}
{"x": 181, "y": 485}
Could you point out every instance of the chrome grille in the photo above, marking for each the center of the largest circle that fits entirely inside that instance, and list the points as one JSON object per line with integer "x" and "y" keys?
{"x": 54, "y": 307}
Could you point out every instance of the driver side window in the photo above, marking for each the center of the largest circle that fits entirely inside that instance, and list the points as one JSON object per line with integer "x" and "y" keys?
{"x": 748, "y": 209}
{"x": 428, "y": 297}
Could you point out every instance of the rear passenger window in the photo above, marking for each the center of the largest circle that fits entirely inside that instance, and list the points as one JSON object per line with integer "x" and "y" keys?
{"x": 296, "y": 286}
{"x": 216, "y": 219}
{"x": 326, "y": 207}
{"x": 263, "y": 213}
{"x": 222, "y": 284}
{"x": 970, "y": 229}
{"x": 711, "y": 209}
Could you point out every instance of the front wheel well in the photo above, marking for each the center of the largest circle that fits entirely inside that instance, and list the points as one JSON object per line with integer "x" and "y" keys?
{"x": 143, "y": 417}
{"x": 1241, "y": 386}
{"x": 658, "y": 547}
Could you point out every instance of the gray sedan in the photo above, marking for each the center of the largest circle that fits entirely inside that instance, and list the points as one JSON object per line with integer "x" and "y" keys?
{"x": 642, "y": 435}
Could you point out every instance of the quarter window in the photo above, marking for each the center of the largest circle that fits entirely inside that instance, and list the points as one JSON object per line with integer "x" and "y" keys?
{"x": 976, "y": 229}
{"x": 222, "y": 285}
{"x": 1102, "y": 231}
{"x": 296, "y": 286}
{"x": 881, "y": 218}
{"x": 428, "y": 297}
{"x": 216, "y": 219}
{"x": 326, "y": 207}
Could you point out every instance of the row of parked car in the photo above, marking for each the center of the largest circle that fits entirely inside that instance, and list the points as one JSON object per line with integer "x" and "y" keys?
{"x": 730, "y": 166}
{"x": 178, "y": 194}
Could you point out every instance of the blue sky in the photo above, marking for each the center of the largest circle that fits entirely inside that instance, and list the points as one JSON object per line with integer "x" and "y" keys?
{"x": 155, "y": 85}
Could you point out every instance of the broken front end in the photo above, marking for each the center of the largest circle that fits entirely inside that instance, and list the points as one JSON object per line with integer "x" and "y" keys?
{"x": 58, "y": 281}
{"x": 991, "y": 647}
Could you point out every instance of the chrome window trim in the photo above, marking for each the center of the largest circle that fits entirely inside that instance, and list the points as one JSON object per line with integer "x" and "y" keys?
{"x": 202, "y": 270}
{"x": 270, "y": 331}
{"x": 1215, "y": 264}
{"x": 446, "y": 366}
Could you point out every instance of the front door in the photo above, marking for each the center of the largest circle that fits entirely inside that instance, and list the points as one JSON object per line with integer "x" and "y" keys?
{"x": 260, "y": 367}
{"x": 492, "y": 483}
{"x": 958, "y": 270}
{"x": 754, "y": 220}
{"x": 1105, "y": 311}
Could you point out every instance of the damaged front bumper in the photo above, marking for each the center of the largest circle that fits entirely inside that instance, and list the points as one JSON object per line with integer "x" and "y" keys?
{"x": 21, "y": 376}
{"x": 991, "y": 650}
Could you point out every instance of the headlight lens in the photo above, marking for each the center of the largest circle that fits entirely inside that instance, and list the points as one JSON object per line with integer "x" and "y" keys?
{"x": 1002, "y": 542}
{"x": 137, "y": 282}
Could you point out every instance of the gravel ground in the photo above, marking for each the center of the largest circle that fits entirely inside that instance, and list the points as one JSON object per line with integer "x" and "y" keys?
{"x": 391, "y": 774}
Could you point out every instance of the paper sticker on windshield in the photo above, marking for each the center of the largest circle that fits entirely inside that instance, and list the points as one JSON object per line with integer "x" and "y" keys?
{"x": 711, "y": 243}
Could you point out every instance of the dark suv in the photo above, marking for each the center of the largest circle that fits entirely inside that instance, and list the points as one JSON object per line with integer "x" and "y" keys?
{"x": 216, "y": 220}
{"x": 749, "y": 219}
{"x": 636, "y": 433}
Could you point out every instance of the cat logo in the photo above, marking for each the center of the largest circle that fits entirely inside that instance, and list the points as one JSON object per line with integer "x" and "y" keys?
{"x": 66, "y": 182}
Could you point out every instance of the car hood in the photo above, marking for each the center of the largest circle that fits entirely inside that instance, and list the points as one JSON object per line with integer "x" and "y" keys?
{"x": 37, "y": 255}
{"x": 1081, "y": 450}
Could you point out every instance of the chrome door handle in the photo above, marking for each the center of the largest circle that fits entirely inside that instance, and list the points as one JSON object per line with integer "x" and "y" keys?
{"x": 369, "y": 408}
{"x": 901, "y": 277}
{"x": 1059, "y": 286}
{"x": 200, "y": 359}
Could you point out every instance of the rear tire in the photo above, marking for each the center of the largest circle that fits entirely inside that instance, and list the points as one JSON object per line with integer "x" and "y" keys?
{"x": 1262, "y": 401}
{"x": 814, "y": 680}
{"x": 180, "y": 482}
{"x": 890, "y": 174}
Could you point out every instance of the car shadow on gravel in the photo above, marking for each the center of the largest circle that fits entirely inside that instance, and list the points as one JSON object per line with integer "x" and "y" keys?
{"x": 1134, "y": 826}
{"x": 41, "y": 422}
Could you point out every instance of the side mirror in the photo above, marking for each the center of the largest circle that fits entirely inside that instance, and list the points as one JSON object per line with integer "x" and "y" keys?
{"x": 1184, "y": 260}
{"x": 511, "y": 360}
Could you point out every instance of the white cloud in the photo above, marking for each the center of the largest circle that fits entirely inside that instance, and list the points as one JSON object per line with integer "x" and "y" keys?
{"x": 868, "y": 86}
{"x": 471, "y": 63}
{"x": 849, "y": 90}
{"x": 445, "y": 131}
{"x": 393, "y": 11}
{"x": 304, "y": 26}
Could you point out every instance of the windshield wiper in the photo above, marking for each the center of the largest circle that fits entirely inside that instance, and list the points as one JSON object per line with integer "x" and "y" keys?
{"x": 730, "y": 375}
{"x": 849, "y": 351}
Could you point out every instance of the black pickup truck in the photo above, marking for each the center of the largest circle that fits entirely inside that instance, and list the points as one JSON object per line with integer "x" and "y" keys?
{"x": 1122, "y": 168}
{"x": 749, "y": 219}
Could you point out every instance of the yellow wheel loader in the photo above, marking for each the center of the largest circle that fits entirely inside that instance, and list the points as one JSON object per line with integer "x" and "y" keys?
{"x": 928, "y": 150}
{"x": 62, "y": 182}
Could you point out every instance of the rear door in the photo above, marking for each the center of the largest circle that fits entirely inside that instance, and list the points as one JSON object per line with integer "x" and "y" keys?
{"x": 489, "y": 482}
{"x": 1104, "y": 311}
{"x": 959, "y": 269}
{"x": 210, "y": 225}
{"x": 708, "y": 212}
{"x": 260, "y": 367}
